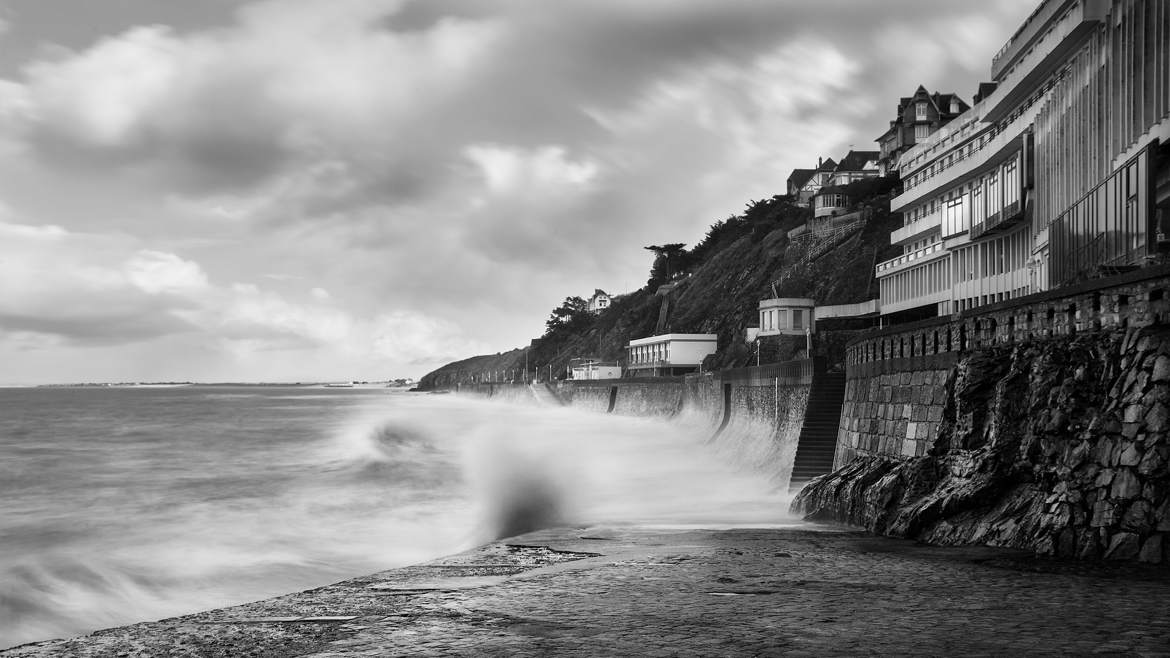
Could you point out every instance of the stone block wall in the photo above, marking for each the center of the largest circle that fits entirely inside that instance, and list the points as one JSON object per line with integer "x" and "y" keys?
{"x": 895, "y": 413}
{"x": 897, "y": 376}
{"x": 1058, "y": 445}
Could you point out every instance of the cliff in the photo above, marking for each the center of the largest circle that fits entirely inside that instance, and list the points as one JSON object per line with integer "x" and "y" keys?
{"x": 715, "y": 287}
{"x": 1057, "y": 446}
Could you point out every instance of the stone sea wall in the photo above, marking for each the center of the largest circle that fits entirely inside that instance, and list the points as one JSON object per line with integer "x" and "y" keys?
{"x": 1057, "y": 444}
{"x": 894, "y": 410}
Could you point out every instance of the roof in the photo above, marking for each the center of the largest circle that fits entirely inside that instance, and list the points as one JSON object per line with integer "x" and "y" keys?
{"x": 827, "y": 165}
{"x": 687, "y": 338}
{"x": 856, "y": 160}
{"x": 942, "y": 102}
{"x": 799, "y": 177}
{"x": 598, "y": 292}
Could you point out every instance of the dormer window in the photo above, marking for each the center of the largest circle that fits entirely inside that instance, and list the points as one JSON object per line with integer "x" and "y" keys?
{"x": 920, "y": 111}
{"x": 954, "y": 106}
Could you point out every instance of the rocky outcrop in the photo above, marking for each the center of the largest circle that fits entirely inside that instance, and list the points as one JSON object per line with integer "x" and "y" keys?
{"x": 1056, "y": 446}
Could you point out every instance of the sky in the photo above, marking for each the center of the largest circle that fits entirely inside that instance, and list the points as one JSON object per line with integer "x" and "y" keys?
{"x": 295, "y": 190}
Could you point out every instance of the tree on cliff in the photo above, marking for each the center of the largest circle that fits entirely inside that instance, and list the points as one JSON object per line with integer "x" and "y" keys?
{"x": 669, "y": 259}
{"x": 572, "y": 315}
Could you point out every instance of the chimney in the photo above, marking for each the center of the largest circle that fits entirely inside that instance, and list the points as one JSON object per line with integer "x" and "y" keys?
{"x": 819, "y": 161}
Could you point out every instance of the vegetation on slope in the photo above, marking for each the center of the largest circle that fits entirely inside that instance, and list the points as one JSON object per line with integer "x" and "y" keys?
{"x": 714, "y": 287}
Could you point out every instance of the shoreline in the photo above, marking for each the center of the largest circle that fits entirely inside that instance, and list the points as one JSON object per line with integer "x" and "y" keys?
{"x": 810, "y": 589}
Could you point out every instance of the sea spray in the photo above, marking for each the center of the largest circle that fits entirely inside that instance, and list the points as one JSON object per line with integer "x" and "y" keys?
{"x": 125, "y": 505}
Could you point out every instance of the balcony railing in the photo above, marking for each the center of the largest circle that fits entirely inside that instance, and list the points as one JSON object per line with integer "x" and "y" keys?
{"x": 906, "y": 259}
{"x": 1024, "y": 35}
{"x": 916, "y": 228}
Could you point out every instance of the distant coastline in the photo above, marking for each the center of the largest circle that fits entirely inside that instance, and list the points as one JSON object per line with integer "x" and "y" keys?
{"x": 397, "y": 383}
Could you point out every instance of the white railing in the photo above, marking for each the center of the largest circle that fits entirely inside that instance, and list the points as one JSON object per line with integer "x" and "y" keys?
{"x": 916, "y": 228}
{"x": 906, "y": 259}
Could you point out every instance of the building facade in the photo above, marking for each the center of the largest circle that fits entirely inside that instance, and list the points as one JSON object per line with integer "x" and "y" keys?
{"x": 793, "y": 316}
{"x": 818, "y": 178}
{"x": 598, "y": 302}
{"x": 1056, "y": 175}
{"x": 594, "y": 370}
{"x": 668, "y": 354}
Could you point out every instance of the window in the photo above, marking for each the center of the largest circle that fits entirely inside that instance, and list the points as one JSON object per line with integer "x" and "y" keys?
{"x": 994, "y": 200}
{"x": 797, "y": 319}
{"x": 920, "y": 110}
{"x": 1011, "y": 182}
{"x": 954, "y": 220}
{"x": 921, "y": 131}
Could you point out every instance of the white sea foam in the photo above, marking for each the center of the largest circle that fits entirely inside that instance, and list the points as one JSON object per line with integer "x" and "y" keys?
{"x": 141, "y": 504}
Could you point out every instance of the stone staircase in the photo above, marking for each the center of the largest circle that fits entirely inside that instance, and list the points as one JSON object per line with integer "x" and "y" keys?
{"x": 545, "y": 394}
{"x": 818, "y": 434}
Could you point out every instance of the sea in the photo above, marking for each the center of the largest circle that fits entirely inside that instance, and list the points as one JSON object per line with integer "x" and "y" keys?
{"x": 125, "y": 504}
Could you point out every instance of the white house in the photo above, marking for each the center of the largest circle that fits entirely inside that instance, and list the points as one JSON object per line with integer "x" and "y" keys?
{"x": 791, "y": 316}
{"x": 669, "y": 354}
{"x": 599, "y": 301}
{"x": 593, "y": 370}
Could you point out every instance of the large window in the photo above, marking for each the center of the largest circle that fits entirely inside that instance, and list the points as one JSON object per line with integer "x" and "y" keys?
{"x": 994, "y": 200}
{"x": 978, "y": 205}
{"x": 955, "y": 218}
{"x": 921, "y": 131}
{"x": 1011, "y": 183}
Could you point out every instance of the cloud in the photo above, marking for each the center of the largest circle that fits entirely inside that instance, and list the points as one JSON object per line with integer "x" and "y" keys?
{"x": 425, "y": 178}
{"x": 407, "y": 337}
{"x": 157, "y": 272}
{"x": 511, "y": 170}
{"x": 98, "y": 290}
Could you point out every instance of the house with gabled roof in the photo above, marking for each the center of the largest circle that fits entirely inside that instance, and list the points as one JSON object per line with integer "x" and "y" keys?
{"x": 797, "y": 179}
{"x": 820, "y": 177}
{"x": 917, "y": 117}
{"x": 599, "y": 301}
{"x": 855, "y": 166}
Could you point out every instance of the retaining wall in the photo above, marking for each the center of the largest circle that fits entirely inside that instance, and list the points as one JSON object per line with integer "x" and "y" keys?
{"x": 753, "y": 413}
{"x": 897, "y": 377}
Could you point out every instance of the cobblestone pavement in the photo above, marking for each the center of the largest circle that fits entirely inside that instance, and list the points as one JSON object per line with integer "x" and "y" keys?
{"x": 780, "y": 591}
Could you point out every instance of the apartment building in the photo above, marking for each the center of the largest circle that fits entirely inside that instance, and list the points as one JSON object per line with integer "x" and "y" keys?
{"x": 1057, "y": 175}
{"x": 668, "y": 354}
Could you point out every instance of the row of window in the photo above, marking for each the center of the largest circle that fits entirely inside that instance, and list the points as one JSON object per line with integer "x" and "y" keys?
{"x": 777, "y": 319}
{"x": 1110, "y": 226}
{"x": 978, "y": 204}
{"x": 649, "y": 353}
{"x": 928, "y": 279}
{"x": 957, "y": 155}
{"x": 991, "y": 257}
{"x": 830, "y": 201}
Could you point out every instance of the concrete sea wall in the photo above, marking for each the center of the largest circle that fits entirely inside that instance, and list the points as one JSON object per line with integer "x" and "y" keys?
{"x": 753, "y": 414}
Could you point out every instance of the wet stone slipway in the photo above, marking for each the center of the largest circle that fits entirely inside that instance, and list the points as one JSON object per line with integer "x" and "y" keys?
{"x": 818, "y": 591}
